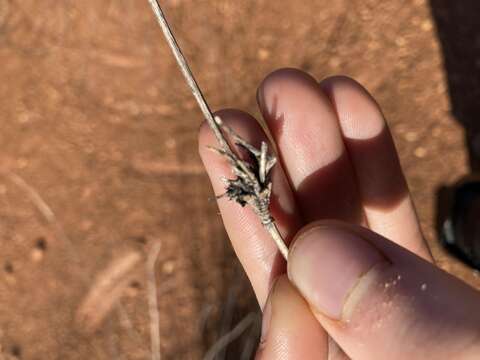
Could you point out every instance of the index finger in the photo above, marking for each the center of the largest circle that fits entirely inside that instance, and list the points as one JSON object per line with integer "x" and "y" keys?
{"x": 251, "y": 242}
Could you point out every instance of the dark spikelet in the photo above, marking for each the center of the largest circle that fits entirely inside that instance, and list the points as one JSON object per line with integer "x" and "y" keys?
{"x": 252, "y": 183}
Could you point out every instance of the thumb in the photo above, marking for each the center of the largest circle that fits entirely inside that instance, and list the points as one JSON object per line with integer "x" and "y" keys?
{"x": 377, "y": 300}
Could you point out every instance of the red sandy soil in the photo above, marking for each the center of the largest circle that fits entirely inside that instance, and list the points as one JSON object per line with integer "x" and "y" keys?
{"x": 99, "y": 154}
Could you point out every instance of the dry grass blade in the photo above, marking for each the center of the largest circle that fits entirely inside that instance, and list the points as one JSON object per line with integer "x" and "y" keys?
{"x": 231, "y": 336}
{"x": 187, "y": 73}
{"x": 34, "y": 196}
{"x": 153, "y": 302}
{"x": 107, "y": 289}
{"x": 40, "y": 204}
{"x": 252, "y": 184}
{"x": 251, "y": 341}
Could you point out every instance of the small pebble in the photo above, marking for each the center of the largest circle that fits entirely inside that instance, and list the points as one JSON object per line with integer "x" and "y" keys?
{"x": 170, "y": 143}
{"x": 263, "y": 54}
{"x": 334, "y": 62}
{"x": 426, "y": 25}
{"x": 400, "y": 41}
{"x": 36, "y": 255}
{"x": 39, "y": 250}
{"x": 420, "y": 152}
{"x": 168, "y": 267}
{"x": 411, "y": 136}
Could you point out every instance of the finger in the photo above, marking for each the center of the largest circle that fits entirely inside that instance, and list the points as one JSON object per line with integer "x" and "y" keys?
{"x": 305, "y": 128}
{"x": 378, "y": 300}
{"x": 384, "y": 192}
{"x": 290, "y": 337}
{"x": 252, "y": 244}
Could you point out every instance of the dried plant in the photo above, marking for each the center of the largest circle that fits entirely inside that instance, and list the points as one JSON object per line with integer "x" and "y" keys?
{"x": 231, "y": 336}
{"x": 252, "y": 185}
{"x": 107, "y": 289}
{"x": 153, "y": 302}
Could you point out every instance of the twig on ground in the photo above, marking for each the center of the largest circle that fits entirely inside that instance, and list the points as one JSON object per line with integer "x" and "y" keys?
{"x": 46, "y": 211}
{"x": 252, "y": 339}
{"x": 227, "y": 317}
{"x": 252, "y": 184}
{"x": 42, "y": 206}
{"x": 107, "y": 289}
{"x": 153, "y": 302}
{"x": 126, "y": 323}
{"x": 113, "y": 342}
{"x": 231, "y": 336}
{"x": 203, "y": 318}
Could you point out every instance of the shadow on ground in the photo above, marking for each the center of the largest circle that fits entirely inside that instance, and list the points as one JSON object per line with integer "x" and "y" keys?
{"x": 459, "y": 34}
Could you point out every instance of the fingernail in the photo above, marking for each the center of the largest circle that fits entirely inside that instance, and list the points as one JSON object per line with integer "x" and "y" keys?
{"x": 266, "y": 318}
{"x": 326, "y": 264}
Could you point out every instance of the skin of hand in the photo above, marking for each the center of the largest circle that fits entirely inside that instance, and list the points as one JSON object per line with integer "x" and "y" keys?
{"x": 361, "y": 286}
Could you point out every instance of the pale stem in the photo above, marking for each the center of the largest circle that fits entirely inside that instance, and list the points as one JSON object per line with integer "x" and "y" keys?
{"x": 187, "y": 73}
{"x": 215, "y": 124}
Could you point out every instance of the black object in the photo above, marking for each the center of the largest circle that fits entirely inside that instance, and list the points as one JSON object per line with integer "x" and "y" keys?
{"x": 460, "y": 226}
{"x": 458, "y": 216}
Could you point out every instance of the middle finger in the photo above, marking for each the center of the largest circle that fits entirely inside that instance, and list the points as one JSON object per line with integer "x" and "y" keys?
{"x": 307, "y": 132}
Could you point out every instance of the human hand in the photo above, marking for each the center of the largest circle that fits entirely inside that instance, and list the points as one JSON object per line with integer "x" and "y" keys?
{"x": 350, "y": 292}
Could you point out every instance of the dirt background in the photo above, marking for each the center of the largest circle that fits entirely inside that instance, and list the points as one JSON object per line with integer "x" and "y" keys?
{"x": 98, "y": 159}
